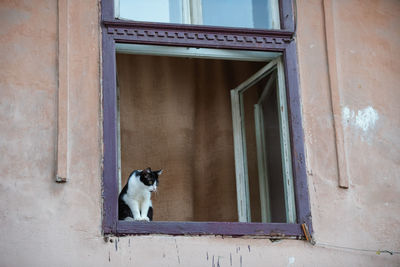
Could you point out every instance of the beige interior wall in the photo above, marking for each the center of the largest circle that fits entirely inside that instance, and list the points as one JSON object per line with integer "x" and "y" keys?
{"x": 157, "y": 128}
{"x": 47, "y": 224}
{"x": 175, "y": 114}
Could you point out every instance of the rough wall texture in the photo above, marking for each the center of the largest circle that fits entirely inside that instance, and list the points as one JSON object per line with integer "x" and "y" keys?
{"x": 48, "y": 224}
{"x": 366, "y": 37}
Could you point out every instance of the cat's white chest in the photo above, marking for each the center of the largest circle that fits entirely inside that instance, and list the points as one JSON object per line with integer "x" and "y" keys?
{"x": 136, "y": 191}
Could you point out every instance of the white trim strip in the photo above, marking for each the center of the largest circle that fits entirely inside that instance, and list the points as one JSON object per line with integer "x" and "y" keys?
{"x": 264, "y": 71}
{"x": 285, "y": 146}
{"x": 240, "y": 160}
{"x": 156, "y": 50}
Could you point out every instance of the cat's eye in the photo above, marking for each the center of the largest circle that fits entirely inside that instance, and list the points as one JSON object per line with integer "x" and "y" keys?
{"x": 151, "y": 182}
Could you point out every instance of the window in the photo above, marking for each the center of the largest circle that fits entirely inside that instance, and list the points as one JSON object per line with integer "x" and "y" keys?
{"x": 265, "y": 111}
{"x": 258, "y": 14}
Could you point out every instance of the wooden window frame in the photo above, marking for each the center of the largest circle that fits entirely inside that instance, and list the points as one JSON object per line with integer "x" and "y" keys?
{"x": 116, "y": 31}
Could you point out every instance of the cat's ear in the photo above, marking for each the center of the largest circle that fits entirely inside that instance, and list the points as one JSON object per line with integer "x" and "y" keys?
{"x": 147, "y": 170}
{"x": 159, "y": 172}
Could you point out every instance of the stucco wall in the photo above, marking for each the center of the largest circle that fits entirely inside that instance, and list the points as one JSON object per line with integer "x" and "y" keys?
{"x": 49, "y": 224}
{"x": 366, "y": 37}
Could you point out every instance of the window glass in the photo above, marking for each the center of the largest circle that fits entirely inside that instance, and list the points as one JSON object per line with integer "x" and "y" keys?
{"x": 263, "y": 148}
{"x": 239, "y": 13}
{"x": 259, "y": 14}
{"x": 228, "y": 13}
{"x": 153, "y": 10}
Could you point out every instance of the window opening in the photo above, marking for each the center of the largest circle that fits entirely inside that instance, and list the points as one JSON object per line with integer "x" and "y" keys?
{"x": 168, "y": 106}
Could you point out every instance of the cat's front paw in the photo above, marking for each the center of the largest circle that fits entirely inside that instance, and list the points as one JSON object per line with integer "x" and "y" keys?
{"x": 145, "y": 219}
{"x": 129, "y": 219}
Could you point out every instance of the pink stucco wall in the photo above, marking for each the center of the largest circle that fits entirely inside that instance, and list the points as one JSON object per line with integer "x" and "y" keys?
{"x": 367, "y": 38}
{"x": 47, "y": 224}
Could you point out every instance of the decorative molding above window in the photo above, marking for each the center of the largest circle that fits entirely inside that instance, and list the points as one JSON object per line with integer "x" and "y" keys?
{"x": 184, "y": 35}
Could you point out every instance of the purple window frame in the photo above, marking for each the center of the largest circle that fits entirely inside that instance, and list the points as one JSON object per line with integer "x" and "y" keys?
{"x": 116, "y": 31}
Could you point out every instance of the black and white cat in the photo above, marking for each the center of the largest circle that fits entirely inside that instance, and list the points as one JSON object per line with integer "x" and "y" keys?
{"x": 134, "y": 202}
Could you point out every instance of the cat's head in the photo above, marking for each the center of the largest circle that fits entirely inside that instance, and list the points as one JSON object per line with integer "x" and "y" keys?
{"x": 150, "y": 178}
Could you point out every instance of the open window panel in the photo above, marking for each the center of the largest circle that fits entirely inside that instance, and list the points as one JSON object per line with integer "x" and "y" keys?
{"x": 175, "y": 110}
{"x": 262, "y": 147}
{"x": 257, "y": 14}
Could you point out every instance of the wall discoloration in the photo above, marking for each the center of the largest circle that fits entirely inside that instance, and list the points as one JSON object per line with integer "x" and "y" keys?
{"x": 363, "y": 119}
{"x": 291, "y": 261}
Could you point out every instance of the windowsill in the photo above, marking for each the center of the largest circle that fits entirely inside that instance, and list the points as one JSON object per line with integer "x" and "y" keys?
{"x": 208, "y": 228}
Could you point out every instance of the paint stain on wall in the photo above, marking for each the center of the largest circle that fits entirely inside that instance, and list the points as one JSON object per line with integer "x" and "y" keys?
{"x": 291, "y": 261}
{"x": 363, "y": 119}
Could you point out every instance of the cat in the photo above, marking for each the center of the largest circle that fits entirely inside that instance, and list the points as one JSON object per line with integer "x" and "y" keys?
{"x": 134, "y": 201}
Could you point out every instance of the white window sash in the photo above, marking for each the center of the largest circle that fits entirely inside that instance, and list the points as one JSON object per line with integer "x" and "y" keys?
{"x": 262, "y": 154}
{"x": 285, "y": 146}
{"x": 196, "y": 12}
{"x": 186, "y": 14}
{"x": 274, "y": 15}
{"x": 242, "y": 183}
{"x": 116, "y": 9}
{"x": 239, "y": 139}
